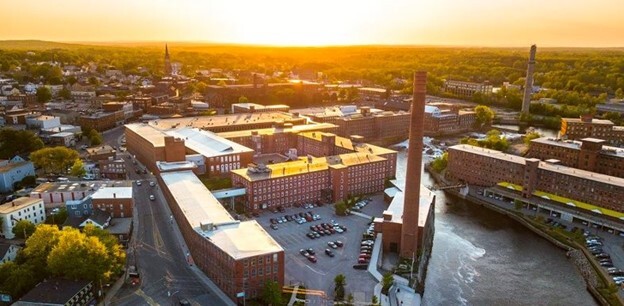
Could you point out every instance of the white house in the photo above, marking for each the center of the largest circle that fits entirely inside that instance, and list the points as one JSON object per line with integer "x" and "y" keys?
{"x": 43, "y": 122}
{"x": 14, "y": 170}
{"x": 8, "y": 252}
{"x": 23, "y": 208}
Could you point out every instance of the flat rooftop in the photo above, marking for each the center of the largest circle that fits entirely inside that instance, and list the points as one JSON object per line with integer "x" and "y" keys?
{"x": 272, "y": 131}
{"x": 208, "y": 122}
{"x": 207, "y": 216}
{"x": 17, "y": 204}
{"x": 576, "y": 145}
{"x": 113, "y": 193}
{"x": 305, "y": 165}
{"x": 587, "y": 175}
{"x": 396, "y": 206}
{"x": 207, "y": 143}
{"x": 155, "y": 136}
{"x": 347, "y": 144}
{"x": 86, "y": 186}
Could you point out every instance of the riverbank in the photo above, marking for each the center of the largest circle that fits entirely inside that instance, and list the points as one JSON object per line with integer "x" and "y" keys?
{"x": 598, "y": 283}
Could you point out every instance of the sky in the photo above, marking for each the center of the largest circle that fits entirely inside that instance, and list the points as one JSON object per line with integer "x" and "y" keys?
{"x": 548, "y": 23}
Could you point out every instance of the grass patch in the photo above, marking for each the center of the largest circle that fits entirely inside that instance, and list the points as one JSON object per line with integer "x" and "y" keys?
{"x": 216, "y": 183}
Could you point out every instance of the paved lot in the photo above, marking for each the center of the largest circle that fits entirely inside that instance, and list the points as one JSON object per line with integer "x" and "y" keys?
{"x": 320, "y": 275}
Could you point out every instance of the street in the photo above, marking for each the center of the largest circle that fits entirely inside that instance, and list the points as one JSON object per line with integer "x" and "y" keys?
{"x": 157, "y": 249}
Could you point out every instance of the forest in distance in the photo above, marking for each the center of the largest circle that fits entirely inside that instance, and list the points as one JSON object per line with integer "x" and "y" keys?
{"x": 578, "y": 78}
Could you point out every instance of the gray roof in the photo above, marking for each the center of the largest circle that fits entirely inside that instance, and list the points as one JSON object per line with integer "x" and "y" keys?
{"x": 55, "y": 291}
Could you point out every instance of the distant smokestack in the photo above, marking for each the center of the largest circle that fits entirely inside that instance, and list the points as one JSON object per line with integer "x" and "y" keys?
{"x": 409, "y": 228}
{"x": 528, "y": 85}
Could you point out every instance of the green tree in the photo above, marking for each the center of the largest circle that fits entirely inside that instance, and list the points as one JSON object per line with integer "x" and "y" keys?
{"x": 483, "y": 116}
{"x": 349, "y": 299}
{"x": 77, "y": 256}
{"x": 78, "y": 169}
{"x": 43, "y": 94}
{"x": 619, "y": 93}
{"x": 200, "y": 87}
{"x": 386, "y": 283}
{"x": 95, "y": 138}
{"x": 54, "y": 159}
{"x": 339, "y": 282}
{"x": 340, "y": 208}
{"x": 114, "y": 249}
{"x": 94, "y": 81}
{"x": 38, "y": 247}
{"x": 17, "y": 279}
{"x": 375, "y": 301}
{"x": 271, "y": 293}
{"x": 440, "y": 163}
{"x": 13, "y": 142}
{"x": 518, "y": 204}
{"x": 65, "y": 93}
{"x": 57, "y": 218}
{"x": 23, "y": 229}
{"x": 243, "y": 99}
{"x": 530, "y": 136}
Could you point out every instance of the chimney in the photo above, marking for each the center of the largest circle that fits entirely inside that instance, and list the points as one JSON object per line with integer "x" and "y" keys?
{"x": 409, "y": 228}
{"x": 528, "y": 84}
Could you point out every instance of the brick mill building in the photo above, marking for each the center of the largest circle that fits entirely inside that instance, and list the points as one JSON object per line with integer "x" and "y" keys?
{"x": 588, "y": 127}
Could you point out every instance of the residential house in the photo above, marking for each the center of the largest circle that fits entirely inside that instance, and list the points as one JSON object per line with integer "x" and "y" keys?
{"x": 14, "y": 170}
{"x": 59, "y": 292}
{"x": 23, "y": 208}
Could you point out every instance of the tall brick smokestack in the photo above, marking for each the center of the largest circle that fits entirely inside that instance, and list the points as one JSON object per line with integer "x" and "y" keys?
{"x": 409, "y": 229}
{"x": 528, "y": 85}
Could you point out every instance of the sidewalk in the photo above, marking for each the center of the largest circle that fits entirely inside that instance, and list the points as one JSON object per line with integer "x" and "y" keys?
{"x": 359, "y": 214}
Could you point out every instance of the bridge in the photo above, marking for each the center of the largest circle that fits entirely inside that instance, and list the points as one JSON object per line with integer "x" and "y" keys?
{"x": 437, "y": 187}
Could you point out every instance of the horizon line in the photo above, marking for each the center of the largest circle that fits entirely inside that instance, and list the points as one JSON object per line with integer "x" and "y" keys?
{"x": 205, "y": 42}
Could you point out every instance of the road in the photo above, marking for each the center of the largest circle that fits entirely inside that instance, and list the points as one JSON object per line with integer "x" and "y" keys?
{"x": 158, "y": 251}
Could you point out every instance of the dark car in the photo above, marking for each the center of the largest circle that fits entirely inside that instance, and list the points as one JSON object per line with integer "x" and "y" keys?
{"x": 273, "y": 226}
{"x": 327, "y": 232}
{"x": 311, "y": 235}
{"x": 344, "y": 228}
{"x": 311, "y": 251}
{"x": 281, "y": 209}
{"x": 321, "y": 233}
{"x": 273, "y": 221}
{"x": 288, "y": 218}
{"x": 303, "y": 252}
{"x": 312, "y": 227}
{"x": 301, "y": 214}
{"x": 363, "y": 260}
{"x": 360, "y": 266}
{"x": 339, "y": 243}
{"x": 329, "y": 253}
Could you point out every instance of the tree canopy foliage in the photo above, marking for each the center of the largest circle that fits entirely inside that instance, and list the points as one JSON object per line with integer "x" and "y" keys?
{"x": 23, "y": 229}
{"x": 14, "y": 142}
{"x": 440, "y": 163}
{"x": 54, "y": 159}
{"x": 483, "y": 116}
{"x": 92, "y": 255}
{"x": 492, "y": 140}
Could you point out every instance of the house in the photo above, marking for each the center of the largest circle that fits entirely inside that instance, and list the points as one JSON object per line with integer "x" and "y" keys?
{"x": 100, "y": 152}
{"x": 116, "y": 200}
{"x": 14, "y": 170}
{"x": 79, "y": 208}
{"x": 61, "y": 292}
{"x": 63, "y": 138}
{"x": 122, "y": 229}
{"x": 23, "y": 208}
{"x": 8, "y": 252}
{"x": 98, "y": 218}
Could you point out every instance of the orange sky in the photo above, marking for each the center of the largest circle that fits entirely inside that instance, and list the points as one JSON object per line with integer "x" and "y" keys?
{"x": 573, "y": 23}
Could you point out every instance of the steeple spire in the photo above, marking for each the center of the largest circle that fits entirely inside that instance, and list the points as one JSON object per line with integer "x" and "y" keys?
{"x": 168, "y": 68}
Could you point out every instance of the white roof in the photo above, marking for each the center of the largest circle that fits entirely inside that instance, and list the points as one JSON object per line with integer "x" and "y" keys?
{"x": 113, "y": 192}
{"x": 207, "y": 143}
{"x": 396, "y": 206}
{"x": 200, "y": 207}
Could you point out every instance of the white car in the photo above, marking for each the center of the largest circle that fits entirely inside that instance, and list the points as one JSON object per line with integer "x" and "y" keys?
{"x": 152, "y": 197}
{"x": 152, "y": 184}
{"x": 138, "y": 183}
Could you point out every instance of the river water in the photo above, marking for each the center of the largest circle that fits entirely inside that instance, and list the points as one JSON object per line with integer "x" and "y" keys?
{"x": 480, "y": 257}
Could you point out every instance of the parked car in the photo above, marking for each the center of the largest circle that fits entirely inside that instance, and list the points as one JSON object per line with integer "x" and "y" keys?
{"x": 329, "y": 253}
{"x": 332, "y": 245}
{"x": 364, "y": 255}
{"x": 360, "y": 266}
{"x": 363, "y": 261}
{"x": 338, "y": 243}
{"x": 311, "y": 235}
{"x": 273, "y": 226}
{"x": 304, "y": 252}
{"x": 312, "y": 258}
{"x": 152, "y": 184}
{"x": 138, "y": 183}
{"x": 273, "y": 221}
{"x": 151, "y": 197}
{"x": 311, "y": 251}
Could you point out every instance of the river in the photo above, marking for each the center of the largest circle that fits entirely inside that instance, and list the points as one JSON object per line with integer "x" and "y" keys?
{"x": 480, "y": 257}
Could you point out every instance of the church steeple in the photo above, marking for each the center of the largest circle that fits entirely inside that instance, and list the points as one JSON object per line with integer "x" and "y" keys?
{"x": 168, "y": 69}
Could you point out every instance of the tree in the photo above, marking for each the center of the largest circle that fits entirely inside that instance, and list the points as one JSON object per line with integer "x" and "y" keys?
{"x": 114, "y": 249}
{"x": 57, "y": 218}
{"x": 340, "y": 208}
{"x": 440, "y": 163}
{"x": 243, "y": 99}
{"x": 78, "y": 169}
{"x": 77, "y": 256}
{"x": 95, "y": 138}
{"x": 483, "y": 116}
{"x": 13, "y": 142}
{"x": 339, "y": 291}
{"x": 17, "y": 279}
{"x": 271, "y": 293}
{"x": 201, "y": 87}
{"x": 518, "y": 204}
{"x": 54, "y": 159}
{"x": 350, "y": 299}
{"x": 23, "y": 229}
{"x": 43, "y": 94}
{"x": 530, "y": 136}
{"x": 619, "y": 93}
{"x": 375, "y": 301}
{"x": 65, "y": 93}
{"x": 94, "y": 81}
{"x": 386, "y": 283}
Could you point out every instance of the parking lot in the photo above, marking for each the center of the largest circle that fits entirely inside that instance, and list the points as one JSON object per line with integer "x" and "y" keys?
{"x": 320, "y": 275}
